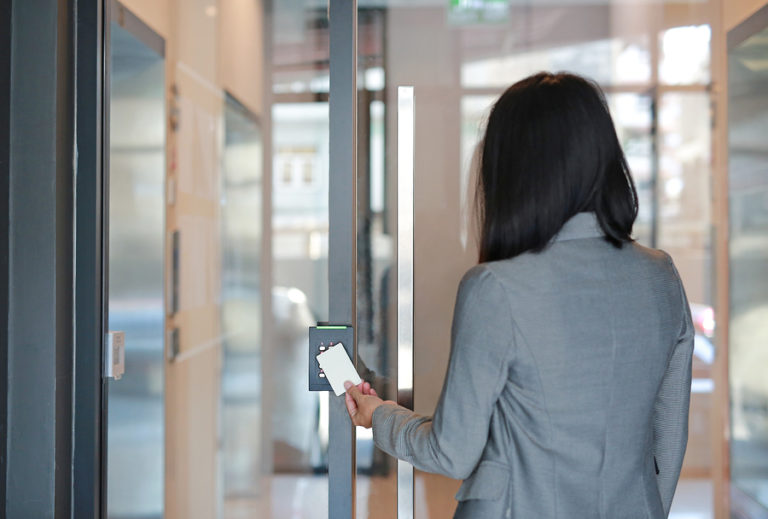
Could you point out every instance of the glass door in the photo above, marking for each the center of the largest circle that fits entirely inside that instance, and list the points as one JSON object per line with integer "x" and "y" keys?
{"x": 748, "y": 257}
{"x": 194, "y": 428}
{"x": 655, "y": 70}
{"x": 136, "y": 416}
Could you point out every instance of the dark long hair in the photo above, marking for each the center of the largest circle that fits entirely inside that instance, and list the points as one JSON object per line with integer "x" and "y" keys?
{"x": 550, "y": 151}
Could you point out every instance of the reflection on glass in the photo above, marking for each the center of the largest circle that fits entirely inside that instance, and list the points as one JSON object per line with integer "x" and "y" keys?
{"x": 478, "y": 11}
{"x": 748, "y": 167}
{"x": 632, "y": 117}
{"x": 300, "y": 201}
{"x": 299, "y": 297}
{"x": 135, "y": 476}
{"x": 241, "y": 236}
{"x": 474, "y": 113}
{"x": 297, "y": 484}
{"x": 684, "y": 188}
{"x": 684, "y": 205}
{"x": 607, "y": 61}
{"x": 685, "y": 55}
{"x": 376, "y": 314}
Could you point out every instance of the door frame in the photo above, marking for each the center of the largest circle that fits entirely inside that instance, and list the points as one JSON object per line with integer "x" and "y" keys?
{"x": 342, "y": 239}
{"x": 90, "y": 253}
{"x": 52, "y": 366}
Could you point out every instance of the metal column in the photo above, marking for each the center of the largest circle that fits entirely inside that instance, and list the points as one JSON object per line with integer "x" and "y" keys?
{"x": 405, "y": 151}
{"x": 38, "y": 446}
{"x": 88, "y": 459}
{"x": 342, "y": 254}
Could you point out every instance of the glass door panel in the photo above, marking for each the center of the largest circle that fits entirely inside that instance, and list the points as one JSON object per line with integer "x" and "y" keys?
{"x": 136, "y": 419}
{"x": 684, "y": 231}
{"x": 241, "y": 235}
{"x": 376, "y": 269}
{"x": 748, "y": 332}
{"x": 209, "y": 421}
{"x": 474, "y": 51}
{"x": 632, "y": 116}
{"x": 300, "y": 299}
{"x": 300, "y": 162}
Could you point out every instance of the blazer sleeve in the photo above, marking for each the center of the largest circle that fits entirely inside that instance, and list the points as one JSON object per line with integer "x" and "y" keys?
{"x": 452, "y": 441}
{"x": 670, "y": 424}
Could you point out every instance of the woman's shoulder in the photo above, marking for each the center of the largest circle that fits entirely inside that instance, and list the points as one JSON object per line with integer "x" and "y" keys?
{"x": 650, "y": 254}
{"x": 556, "y": 267}
{"x": 658, "y": 260}
{"x": 500, "y": 275}
{"x": 476, "y": 276}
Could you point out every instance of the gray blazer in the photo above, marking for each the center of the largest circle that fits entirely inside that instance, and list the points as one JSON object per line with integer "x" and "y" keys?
{"x": 567, "y": 388}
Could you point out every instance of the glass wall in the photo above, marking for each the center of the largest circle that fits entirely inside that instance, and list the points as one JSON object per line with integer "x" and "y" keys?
{"x": 239, "y": 133}
{"x": 136, "y": 424}
{"x": 653, "y": 60}
{"x": 748, "y": 178}
{"x": 241, "y": 248}
{"x": 298, "y": 54}
{"x": 661, "y": 106}
{"x": 189, "y": 421}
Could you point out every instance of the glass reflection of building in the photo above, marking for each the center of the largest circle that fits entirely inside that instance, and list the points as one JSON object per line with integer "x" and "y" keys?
{"x": 748, "y": 332}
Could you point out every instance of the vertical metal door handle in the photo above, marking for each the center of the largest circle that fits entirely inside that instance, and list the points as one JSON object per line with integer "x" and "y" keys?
{"x": 405, "y": 151}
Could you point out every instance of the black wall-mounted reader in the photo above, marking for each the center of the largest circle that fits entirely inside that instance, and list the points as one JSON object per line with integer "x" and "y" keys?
{"x": 322, "y": 337}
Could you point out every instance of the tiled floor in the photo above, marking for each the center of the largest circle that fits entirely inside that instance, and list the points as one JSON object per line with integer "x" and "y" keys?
{"x": 306, "y": 497}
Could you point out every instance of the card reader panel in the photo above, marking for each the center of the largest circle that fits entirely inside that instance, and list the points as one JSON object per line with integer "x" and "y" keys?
{"x": 322, "y": 337}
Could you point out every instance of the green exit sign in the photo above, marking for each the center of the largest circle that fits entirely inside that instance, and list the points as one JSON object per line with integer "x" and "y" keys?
{"x": 469, "y": 12}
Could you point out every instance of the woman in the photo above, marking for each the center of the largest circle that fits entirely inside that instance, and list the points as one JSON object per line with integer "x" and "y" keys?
{"x": 568, "y": 383}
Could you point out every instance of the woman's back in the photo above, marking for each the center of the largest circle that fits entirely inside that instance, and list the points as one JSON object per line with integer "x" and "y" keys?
{"x": 594, "y": 327}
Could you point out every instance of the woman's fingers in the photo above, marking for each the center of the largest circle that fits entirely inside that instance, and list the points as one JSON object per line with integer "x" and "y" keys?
{"x": 361, "y": 400}
{"x": 351, "y": 406}
{"x": 353, "y": 390}
{"x": 367, "y": 389}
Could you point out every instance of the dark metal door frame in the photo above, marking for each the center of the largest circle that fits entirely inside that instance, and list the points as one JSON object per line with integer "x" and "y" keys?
{"x": 45, "y": 151}
{"x": 342, "y": 239}
{"x": 90, "y": 253}
{"x": 5, "y": 133}
{"x": 342, "y": 253}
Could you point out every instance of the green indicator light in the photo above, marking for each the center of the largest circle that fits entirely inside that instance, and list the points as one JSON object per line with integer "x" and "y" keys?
{"x": 331, "y": 327}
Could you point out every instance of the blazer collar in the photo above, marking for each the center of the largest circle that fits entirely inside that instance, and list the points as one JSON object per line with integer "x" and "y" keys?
{"x": 580, "y": 225}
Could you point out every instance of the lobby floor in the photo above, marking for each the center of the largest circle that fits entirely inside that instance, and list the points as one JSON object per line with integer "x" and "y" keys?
{"x": 306, "y": 497}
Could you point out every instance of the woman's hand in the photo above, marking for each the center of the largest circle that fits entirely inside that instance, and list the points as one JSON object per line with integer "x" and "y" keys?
{"x": 361, "y": 401}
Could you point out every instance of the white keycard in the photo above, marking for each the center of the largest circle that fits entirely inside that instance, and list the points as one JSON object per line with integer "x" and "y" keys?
{"x": 338, "y": 368}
